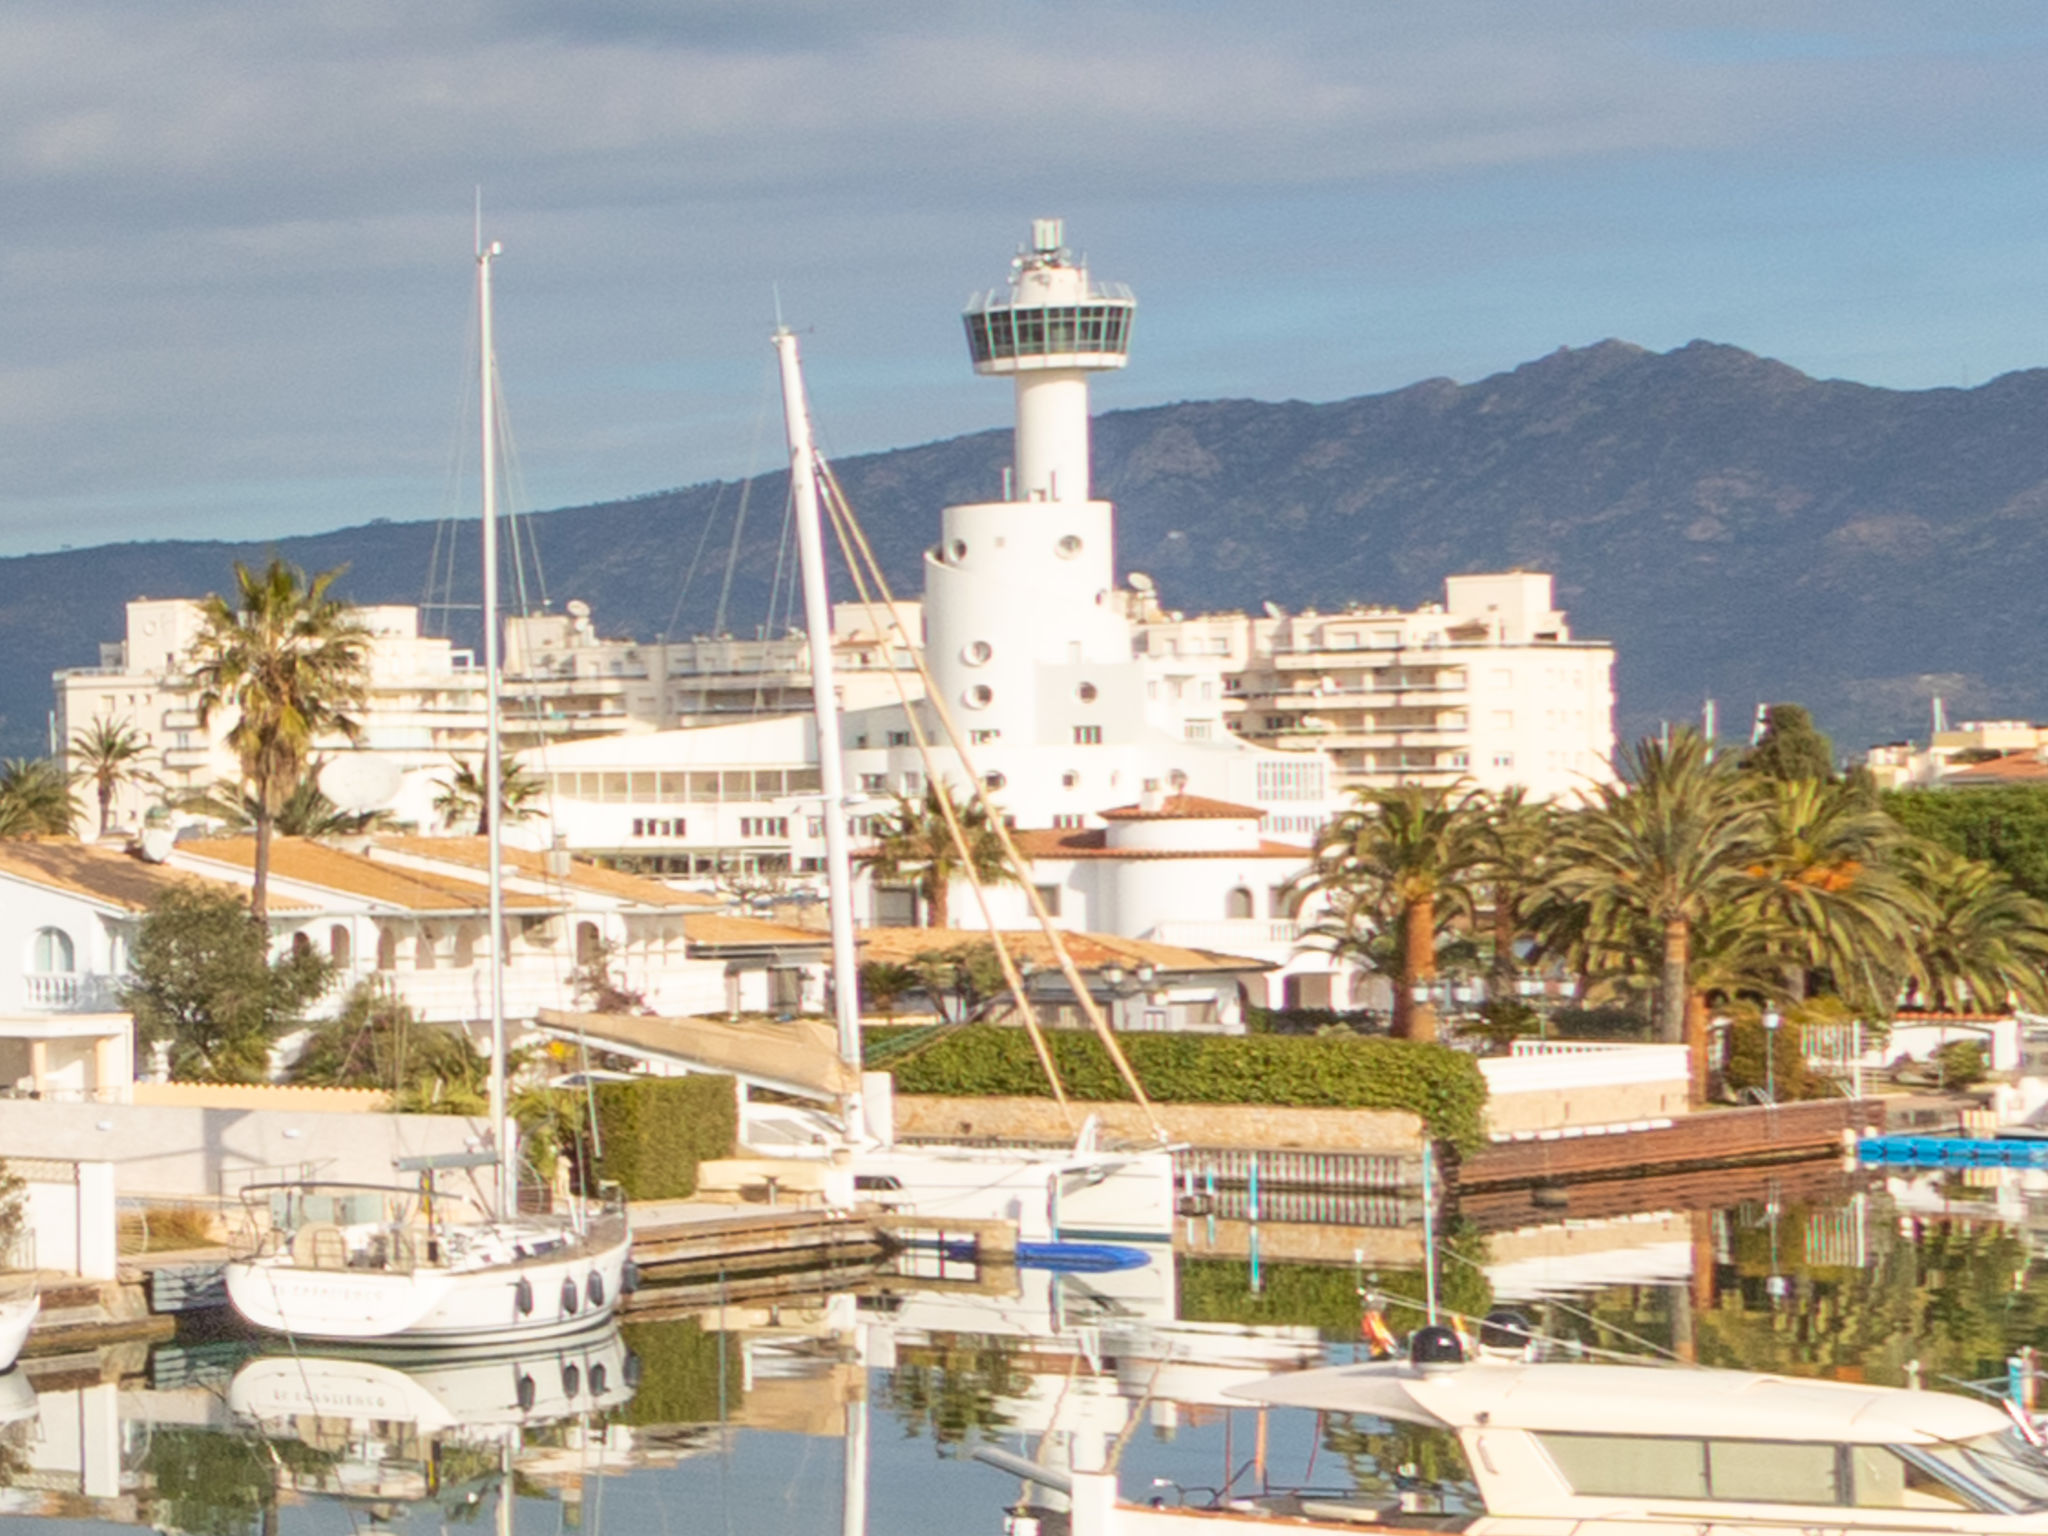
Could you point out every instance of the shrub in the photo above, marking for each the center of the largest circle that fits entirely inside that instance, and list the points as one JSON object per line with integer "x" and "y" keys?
{"x": 1443, "y": 1086}
{"x": 1310, "y": 1021}
{"x": 682, "y": 1371}
{"x": 657, "y": 1129}
{"x": 1960, "y": 1063}
{"x": 1789, "y": 1075}
{"x": 1599, "y": 1024}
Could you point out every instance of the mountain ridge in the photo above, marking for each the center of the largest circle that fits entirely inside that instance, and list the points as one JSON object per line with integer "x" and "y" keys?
{"x": 1738, "y": 528}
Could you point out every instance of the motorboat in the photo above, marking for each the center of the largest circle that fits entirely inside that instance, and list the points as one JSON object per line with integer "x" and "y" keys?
{"x": 1517, "y": 1447}
{"x": 409, "y": 1263}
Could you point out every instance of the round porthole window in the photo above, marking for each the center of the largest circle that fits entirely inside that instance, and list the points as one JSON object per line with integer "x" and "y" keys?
{"x": 958, "y": 551}
{"x": 1086, "y": 693}
{"x": 980, "y": 696}
{"x": 993, "y": 781}
{"x": 976, "y": 652}
{"x": 1069, "y": 546}
{"x": 1070, "y": 780}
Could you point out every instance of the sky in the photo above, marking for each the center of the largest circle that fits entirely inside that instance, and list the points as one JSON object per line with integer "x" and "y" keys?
{"x": 236, "y": 246}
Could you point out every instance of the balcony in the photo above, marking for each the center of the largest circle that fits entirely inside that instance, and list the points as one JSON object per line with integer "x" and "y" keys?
{"x": 1253, "y": 937}
{"x": 69, "y": 992}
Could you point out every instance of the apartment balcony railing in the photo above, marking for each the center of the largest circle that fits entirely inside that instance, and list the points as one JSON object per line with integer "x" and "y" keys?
{"x": 69, "y": 992}
{"x": 1229, "y": 935}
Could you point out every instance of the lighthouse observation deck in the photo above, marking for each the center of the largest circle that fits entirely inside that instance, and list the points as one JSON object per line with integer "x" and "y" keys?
{"x": 1051, "y": 316}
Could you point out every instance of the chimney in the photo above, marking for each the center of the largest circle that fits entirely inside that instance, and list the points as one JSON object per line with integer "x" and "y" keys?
{"x": 557, "y": 858}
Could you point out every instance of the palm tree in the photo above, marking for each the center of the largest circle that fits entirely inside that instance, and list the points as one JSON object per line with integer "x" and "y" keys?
{"x": 1985, "y": 942}
{"x": 1827, "y": 894}
{"x": 462, "y": 797}
{"x": 107, "y": 754}
{"x": 914, "y": 843}
{"x": 289, "y": 662}
{"x": 1517, "y": 837}
{"x": 1654, "y": 856}
{"x": 1405, "y": 858}
{"x": 35, "y": 798}
{"x": 305, "y": 812}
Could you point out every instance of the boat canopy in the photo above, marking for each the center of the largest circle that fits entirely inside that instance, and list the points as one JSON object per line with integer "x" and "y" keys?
{"x": 1632, "y": 1400}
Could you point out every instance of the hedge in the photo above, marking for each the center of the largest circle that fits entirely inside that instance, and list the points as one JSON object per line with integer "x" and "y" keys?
{"x": 1443, "y": 1086}
{"x": 1325, "y": 1297}
{"x": 657, "y": 1129}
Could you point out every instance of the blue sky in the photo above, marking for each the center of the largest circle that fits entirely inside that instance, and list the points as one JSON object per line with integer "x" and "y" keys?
{"x": 234, "y": 273}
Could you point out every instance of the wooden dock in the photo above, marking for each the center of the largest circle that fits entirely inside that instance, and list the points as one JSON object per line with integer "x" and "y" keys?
{"x": 1711, "y": 1138}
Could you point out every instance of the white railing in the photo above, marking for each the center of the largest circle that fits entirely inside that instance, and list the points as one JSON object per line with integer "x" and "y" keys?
{"x": 68, "y": 992}
{"x": 1568, "y": 1047}
{"x": 1227, "y": 933}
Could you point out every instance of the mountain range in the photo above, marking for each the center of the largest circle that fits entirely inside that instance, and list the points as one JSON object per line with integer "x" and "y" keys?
{"x": 1738, "y": 529}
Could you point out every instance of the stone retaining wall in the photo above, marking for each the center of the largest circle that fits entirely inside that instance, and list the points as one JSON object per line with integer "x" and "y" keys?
{"x": 1266, "y": 1127}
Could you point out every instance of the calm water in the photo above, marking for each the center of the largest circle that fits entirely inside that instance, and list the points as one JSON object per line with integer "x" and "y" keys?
{"x": 760, "y": 1427}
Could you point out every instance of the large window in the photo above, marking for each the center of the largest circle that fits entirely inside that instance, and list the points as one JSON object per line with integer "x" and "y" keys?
{"x": 54, "y": 955}
{"x": 1942, "y": 1477}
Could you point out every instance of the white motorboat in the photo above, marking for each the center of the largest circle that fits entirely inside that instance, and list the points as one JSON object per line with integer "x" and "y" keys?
{"x": 405, "y": 1264}
{"x": 1518, "y": 1448}
{"x": 17, "y": 1316}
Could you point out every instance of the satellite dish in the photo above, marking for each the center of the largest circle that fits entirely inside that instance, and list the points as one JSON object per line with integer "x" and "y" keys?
{"x": 1139, "y": 581}
{"x": 360, "y": 781}
{"x": 156, "y": 844}
{"x": 577, "y": 608}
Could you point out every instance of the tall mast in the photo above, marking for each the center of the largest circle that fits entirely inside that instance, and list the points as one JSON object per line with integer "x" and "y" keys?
{"x": 487, "y": 393}
{"x": 810, "y": 544}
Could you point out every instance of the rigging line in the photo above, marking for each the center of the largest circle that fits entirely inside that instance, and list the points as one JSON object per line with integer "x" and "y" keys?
{"x": 441, "y": 565}
{"x": 732, "y": 555}
{"x": 675, "y": 613}
{"x": 766, "y": 401}
{"x": 1019, "y": 867}
{"x": 781, "y": 556}
{"x": 888, "y": 634}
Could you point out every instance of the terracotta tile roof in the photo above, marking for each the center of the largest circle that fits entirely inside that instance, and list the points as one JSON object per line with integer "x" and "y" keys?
{"x": 1090, "y": 951}
{"x": 110, "y": 875}
{"x": 1093, "y": 843}
{"x": 2016, "y": 768}
{"x": 306, "y": 862}
{"x": 474, "y": 853}
{"x": 1185, "y": 808}
{"x": 718, "y": 930}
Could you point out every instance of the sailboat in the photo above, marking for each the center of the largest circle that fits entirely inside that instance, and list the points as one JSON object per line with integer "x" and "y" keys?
{"x": 410, "y": 1262}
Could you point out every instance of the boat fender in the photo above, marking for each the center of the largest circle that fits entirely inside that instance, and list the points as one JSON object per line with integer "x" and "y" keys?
{"x": 629, "y": 1278}
{"x": 1505, "y": 1328}
{"x": 571, "y": 1380}
{"x": 598, "y": 1376}
{"x": 1435, "y": 1346}
{"x": 568, "y": 1295}
{"x": 523, "y": 1296}
{"x": 632, "y": 1370}
{"x": 526, "y": 1392}
{"x": 595, "y": 1289}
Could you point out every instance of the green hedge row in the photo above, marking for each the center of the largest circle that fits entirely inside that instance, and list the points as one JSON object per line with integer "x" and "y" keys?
{"x": 683, "y": 1371}
{"x": 657, "y": 1129}
{"x": 1443, "y": 1086}
{"x": 1325, "y": 1297}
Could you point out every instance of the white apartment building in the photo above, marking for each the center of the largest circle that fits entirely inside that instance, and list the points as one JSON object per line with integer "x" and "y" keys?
{"x": 1488, "y": 685}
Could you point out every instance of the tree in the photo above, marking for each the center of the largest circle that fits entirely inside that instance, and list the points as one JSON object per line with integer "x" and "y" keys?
{"x": 107, "y": 754}
{"x": 461, "y": 796}
{"x": 1653, "y": 856}
{"x": 2006, "y": 827}
{"x": 377, "y": 1042}
{"x": 1792, "y": 747}
{"x": 1517, "y": 836}
{"x": 1408, "y": 856}
{"x": 203, "y": 980}
{"x": 914, "y": 843}
{"x": 1983, "y": 943}
{"x": 35, "y": 798}
{"x": 305, "y": 812}
{"x": 289, "y": 662}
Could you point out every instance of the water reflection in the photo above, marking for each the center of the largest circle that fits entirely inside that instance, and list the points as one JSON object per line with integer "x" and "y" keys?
{"x": 866, "y": 1408}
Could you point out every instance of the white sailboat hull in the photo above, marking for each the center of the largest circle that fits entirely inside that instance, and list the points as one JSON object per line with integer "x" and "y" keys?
{"x": 17, "y": 1317}
{"x": 1052, "y": 1197}
{"x": 572, "y": 1288}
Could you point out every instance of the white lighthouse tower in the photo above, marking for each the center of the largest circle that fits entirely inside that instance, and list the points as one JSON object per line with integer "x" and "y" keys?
{"x": 1020, "y": 608}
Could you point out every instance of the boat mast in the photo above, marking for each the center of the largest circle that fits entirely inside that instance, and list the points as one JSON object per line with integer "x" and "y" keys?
{"x": 493, "y": 750}
{"x": 810, "y": 544}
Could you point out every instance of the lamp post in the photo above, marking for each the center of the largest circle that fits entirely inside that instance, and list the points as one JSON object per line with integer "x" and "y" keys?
{"x": 1771, "y": 1023}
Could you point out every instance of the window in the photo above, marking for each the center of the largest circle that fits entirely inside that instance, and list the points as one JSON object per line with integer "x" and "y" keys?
{"x": 982, "y": 738}
{"x": 1068, "y": 547}
{"x": 1070, "y": 780}
{"x": 53, "y": 952}
{"x": 1049, "y": 898}
{"x": 1086, "y": 693}
{"x": 959, "y": 550}
{"x": 1290, "y": 781}
{"x": 1237, "y": 904}
{"x": 1503, "y": 759}
{"x": 993, "y": 780}
{"x": 589, "y": 944}
{"x": 1067, "y": 821}
{"x": 899, "y": 738}
{"x": 764, "y": 826}
{"x": 1087, "y": 735}
{"x": 980, "y": 696}
{"x": 874, "y": 783}
{"x": 1197, "y": 730}
{"x": 1669, "y": 1467}
{"x": 338, "y": 945}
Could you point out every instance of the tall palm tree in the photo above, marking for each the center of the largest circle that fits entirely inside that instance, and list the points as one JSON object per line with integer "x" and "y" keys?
{"x": 462, "y": 796}
{"x": 107, "y": 754}
{"x": 1517, "y": 834}
{"x": 914, "y": 842}
{"x": 35, "y": 798}
{"x": 1655, "y": 854}
{"x": 305, "y": 812}
{"x": 289, "y": 662}
{"x": 1985, "y": 943}
{"x": 1827, "y": 894}
{"x": 1406, "y": 858}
